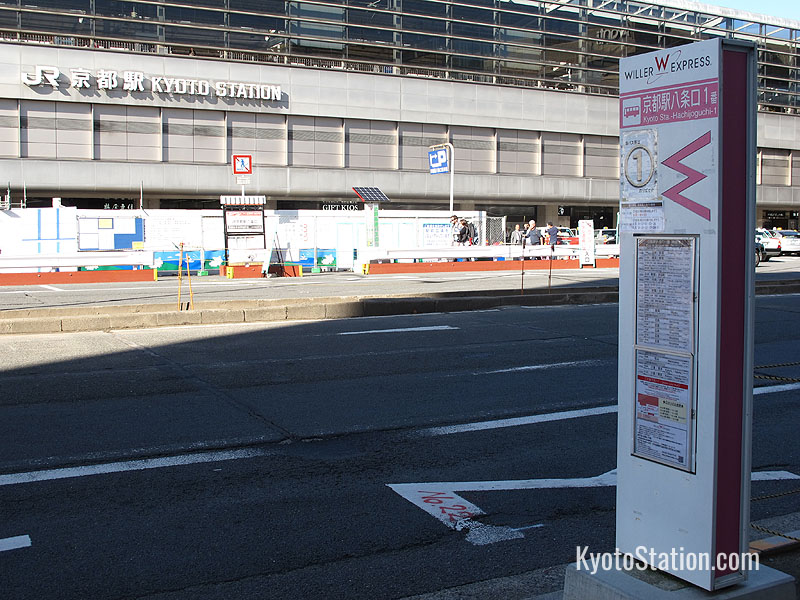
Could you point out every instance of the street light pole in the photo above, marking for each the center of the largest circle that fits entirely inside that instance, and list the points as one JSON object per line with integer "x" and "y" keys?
{"x": 435, "y": 167}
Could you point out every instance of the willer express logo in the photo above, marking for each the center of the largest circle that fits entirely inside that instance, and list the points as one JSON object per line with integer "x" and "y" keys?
{"x": 667, "y": 63}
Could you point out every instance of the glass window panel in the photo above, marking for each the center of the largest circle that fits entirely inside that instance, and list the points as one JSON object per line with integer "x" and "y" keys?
{"x": 519, "y": 37}
{"x": 191, "y": 3}
{"x": 56, "y": 23}
{"x": 519, "y": 69}
{"x": 8, "y": 19}
{"x": 126, "y": 9}
{"x": 260, "y": 6}
{"x": 477, "y": 15}
{"x": 256, "y": 42}
{"x": 372, "y": 53}
{"x": 366, "y": 17}
{"x": 429, "y": 25}
{"x": 424, "y": 42}
{"x": 469, "y": 47}
{"x": 424, "y": 7}
{"x": 643, "y": 34}
{"x": 193, "y": 35}
{"x": 473, "y": 31}
{"x": 567, "y": 27}
{"x": 126, "y": 29}
{"x": 427, "y": 59}
{"x": 472, "y": 64}
{"x": 483, "y": 3}
{"x": 312, "y": 29}
{"x": 557, "y": 41}
{"x": 316, "y": 48}
{"x": 314, "y": 11}
{"x": 65, "y": 5}
{"x": 519, "y": 52}
{"x": 385, "y": 4}
{"x": 265, "y": 24}
{"x": 371, "y": 35}
{"x": 191, "y": 15}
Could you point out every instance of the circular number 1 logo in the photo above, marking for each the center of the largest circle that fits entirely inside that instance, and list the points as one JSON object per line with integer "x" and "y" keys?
{"x": 639, "y": 166}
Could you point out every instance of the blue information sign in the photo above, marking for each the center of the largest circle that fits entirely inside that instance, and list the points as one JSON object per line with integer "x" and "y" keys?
{"x": 438, "y": 161}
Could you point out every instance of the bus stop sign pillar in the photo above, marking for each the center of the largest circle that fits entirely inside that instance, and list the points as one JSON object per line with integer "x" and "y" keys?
{"x": 687, "y": 217}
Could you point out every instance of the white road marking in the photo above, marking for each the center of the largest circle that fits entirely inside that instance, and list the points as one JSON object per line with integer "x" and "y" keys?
{"x": 400, "y": 330}
{"x": 576, "y": 363}
{"x": 537, "y": 526}
{"x": 772, "y": 389}
{"x": 132, "y": 465}
{"x": 439, "y": 499}
{"x": 13, "y": 543}
{"x": 52, "y": 287}
{"x": 517, "y": 421}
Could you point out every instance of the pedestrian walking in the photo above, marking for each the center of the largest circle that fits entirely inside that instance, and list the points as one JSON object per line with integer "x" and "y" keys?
{"x": 552, "y": 232}
{"x": 455, "y": 229}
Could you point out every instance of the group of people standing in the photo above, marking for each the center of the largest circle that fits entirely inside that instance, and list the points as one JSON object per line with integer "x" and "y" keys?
{"x": 533, "y": 236}
{"x": 463, "y": 232}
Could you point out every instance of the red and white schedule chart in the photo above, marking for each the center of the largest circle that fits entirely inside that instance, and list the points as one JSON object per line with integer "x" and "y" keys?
{"x": 663, "y": 408}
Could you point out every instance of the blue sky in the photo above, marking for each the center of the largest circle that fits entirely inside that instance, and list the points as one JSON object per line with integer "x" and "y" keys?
{"x": 789, "y": 9}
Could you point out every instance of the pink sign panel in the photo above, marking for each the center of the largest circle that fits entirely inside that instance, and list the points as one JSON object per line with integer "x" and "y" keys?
{"x": 687, "y": 102}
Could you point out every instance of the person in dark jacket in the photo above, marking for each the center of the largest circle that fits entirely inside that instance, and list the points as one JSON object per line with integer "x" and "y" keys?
{"x": 533, "y": 234}
{"x": 552, "y": 232}
{"x": 463, "y": 233}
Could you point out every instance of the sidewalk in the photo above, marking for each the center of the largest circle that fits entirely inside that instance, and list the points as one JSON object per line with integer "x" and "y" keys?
{"x": 215, "y": 300}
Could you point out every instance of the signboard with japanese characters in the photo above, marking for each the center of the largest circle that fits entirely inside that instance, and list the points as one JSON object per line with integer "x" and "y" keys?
{"x": 687, "y": 152}
{"x": 108, "y": 79}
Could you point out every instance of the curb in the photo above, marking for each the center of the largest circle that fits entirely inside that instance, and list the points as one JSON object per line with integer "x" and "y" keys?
{"x": 55, "y": 320}
{"x": 144, "y": 316}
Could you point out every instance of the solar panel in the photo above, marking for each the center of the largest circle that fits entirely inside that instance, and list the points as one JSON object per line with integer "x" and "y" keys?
{"x": 371, "y": 194}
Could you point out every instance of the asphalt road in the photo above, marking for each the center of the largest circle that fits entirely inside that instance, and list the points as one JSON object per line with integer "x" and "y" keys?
{"x": 255, "y": 461}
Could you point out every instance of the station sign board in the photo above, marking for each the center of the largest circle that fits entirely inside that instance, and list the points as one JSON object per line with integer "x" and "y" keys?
{"x": 687, "y": 215}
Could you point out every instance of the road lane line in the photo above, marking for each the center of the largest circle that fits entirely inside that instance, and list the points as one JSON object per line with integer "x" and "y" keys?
{"x": 13, "y": 543}
{"x": 51, "y": 287}
{"x": 131, "y": 465}
{"x": 772, "y": 389}
{"x": 516, "y": 421}
{"x": 400, "y": 330}
{"x": 440, "y": 500}
{"x": 575, "y": 363}
{"x": 537, "y": 526}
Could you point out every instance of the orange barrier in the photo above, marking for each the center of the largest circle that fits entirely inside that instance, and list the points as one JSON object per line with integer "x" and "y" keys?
{"x": 242, "y": 271}
{"x": 255, "y": 270}
{"x": 483, "y": 265}
{"x": 62, "y": 277}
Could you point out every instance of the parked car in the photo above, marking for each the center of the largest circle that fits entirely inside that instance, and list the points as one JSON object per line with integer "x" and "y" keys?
{"x": 568, "y": 236}
{"x": 789, "y": 240}
{"x": 772, "y": 244}
{"x": 606, "y": 236}
{"x": 761, "y": 254}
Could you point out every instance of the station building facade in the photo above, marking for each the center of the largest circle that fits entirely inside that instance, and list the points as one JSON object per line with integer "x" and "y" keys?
{"x": 143, "y": 104}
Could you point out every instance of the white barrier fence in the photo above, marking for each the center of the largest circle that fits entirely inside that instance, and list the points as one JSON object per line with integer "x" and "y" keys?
{"x": 506, "y": 252}
{"x": 72, "y": 261}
